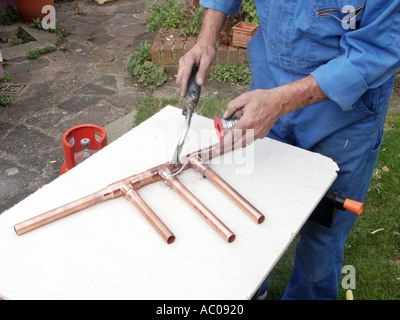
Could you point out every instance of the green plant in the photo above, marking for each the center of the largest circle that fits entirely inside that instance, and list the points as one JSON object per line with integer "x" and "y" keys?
{"x": 9, "y": 16}
{"x": 232, "y": 73}
{"x": 144, "y": 71}
{"x": 60, "y": 32}
{"x": 6, "y": 77}
{"x": 191, "y": 26}
{"x": 5, "y": 101}
{"x": 168, "y": 14}
{"x": 174, "y": 14}
{"x": 21, "y": 37}
{"x": 248, "y": 11}
{"x": 142, "y": 54}
{"x": 36, "y": 23}
{"x": 16, "y": 41}
{"x": 149, "y": 75}
{"x": 34, "y": 54}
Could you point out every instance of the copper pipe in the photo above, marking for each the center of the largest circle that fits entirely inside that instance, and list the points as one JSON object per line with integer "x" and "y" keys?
{"x": 206, "y": 214}
{"x": 221, "y": 184}
{"x": 58, "y": 213}
{"x": 133, "y": 196}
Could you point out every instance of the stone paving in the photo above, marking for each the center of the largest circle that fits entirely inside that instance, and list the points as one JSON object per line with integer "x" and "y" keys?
{"x": 88, "y": 83}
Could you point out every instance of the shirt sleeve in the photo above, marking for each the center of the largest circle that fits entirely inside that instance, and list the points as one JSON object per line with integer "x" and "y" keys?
{"x": 370, "y": 55}
{"x": 226, "y": 6}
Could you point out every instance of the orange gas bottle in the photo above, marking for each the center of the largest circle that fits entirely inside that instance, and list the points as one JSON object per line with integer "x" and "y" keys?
{"x": 80, "y": 142}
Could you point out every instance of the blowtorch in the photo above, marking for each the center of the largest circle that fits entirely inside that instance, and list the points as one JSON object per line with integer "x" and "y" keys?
{"x": 189, "y": 104}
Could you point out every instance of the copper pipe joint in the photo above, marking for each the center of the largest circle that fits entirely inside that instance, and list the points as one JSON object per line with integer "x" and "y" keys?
{"x": 221, "y": 184}
{"x": 205, "y": 213}
{"x": 133, "y": 196}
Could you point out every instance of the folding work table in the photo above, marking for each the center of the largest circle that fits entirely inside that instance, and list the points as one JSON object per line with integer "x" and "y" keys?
{"x": 110, "y": 251}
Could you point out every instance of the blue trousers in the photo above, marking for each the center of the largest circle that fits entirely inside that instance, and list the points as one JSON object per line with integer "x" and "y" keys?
{"x": 352, "y": 139}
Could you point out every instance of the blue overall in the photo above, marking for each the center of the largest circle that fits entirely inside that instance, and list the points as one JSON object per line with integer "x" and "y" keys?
{"x": 354, "y": 61}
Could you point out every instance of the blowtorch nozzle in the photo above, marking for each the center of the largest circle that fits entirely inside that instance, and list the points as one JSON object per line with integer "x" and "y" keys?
{"x": 189, "y": 104}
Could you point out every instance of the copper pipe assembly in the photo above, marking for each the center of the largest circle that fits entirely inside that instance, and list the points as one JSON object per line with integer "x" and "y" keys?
{"x": 166, "y": 172}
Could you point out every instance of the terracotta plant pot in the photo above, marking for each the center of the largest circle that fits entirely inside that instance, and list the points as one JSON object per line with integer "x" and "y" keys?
{"x": 242, "y": 33}
{"x": 32, "y": 9}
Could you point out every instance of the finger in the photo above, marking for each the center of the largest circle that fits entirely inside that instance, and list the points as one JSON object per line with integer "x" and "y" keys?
{"x": 184, "y": 72}
{"x": 243, "y": 132}
{"x": 203, "y": 66}
{"x": 233, "y": 106}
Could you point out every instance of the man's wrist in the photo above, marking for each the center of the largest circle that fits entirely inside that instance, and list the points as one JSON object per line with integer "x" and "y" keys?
{"x": 213, "y": 21}
{"x": 301, "y": 93}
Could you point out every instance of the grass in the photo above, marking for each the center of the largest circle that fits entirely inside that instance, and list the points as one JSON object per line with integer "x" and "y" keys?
{"x": 374, "y": 255}
{"x": 207, "y": 107}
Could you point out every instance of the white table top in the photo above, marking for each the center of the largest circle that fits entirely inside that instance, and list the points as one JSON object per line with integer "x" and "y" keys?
{"x": 110, "y": 251}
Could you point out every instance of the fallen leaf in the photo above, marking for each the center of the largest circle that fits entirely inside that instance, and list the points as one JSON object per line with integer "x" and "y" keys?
{"x": 377, "y": 230}
{"x": 385, "y": 169}
{"x": 377, "y": 174}
{"x": 349, "y": 295}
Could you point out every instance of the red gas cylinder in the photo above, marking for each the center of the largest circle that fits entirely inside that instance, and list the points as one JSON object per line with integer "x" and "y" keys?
{"x": 80, "y": 142}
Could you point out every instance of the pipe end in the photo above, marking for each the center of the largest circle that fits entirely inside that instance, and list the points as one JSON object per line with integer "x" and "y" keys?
{"x": 231, "y": 238}
{"x": 18, "y": 230}
{"x": 171, "y": 239}
{"x": 261, "y": 219}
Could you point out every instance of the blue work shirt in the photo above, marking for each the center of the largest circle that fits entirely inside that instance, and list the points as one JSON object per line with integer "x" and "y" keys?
{"x": 314, "y": 37}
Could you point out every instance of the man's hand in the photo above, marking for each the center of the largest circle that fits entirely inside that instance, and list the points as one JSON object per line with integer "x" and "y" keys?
{"x": 202, "y": 55}
{"x": 260, "y": 109}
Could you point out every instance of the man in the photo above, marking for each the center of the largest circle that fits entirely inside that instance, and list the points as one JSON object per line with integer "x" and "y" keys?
{"x": 322, "y": 76}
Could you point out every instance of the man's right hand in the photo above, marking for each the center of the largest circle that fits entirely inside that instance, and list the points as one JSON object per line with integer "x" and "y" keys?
{"x": 202, "y": 55}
